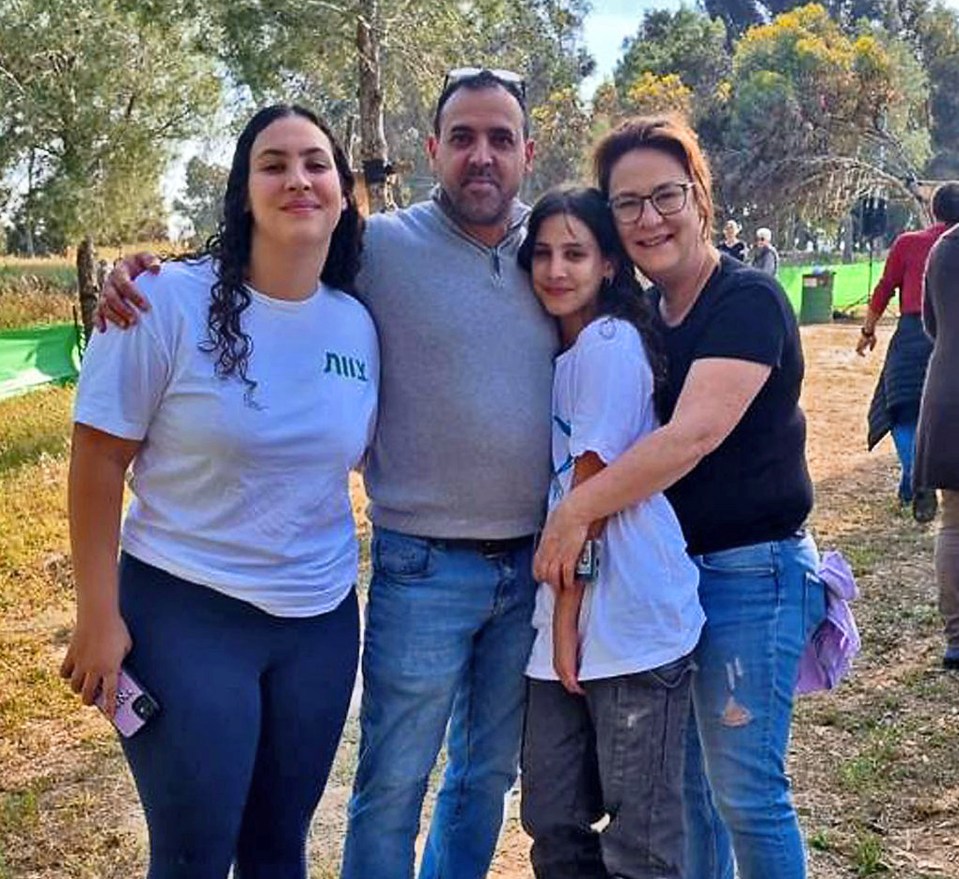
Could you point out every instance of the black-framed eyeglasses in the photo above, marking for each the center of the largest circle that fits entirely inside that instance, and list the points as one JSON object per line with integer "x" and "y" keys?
{"x": 509, "y": 79}
{"x": 670, "y": 198}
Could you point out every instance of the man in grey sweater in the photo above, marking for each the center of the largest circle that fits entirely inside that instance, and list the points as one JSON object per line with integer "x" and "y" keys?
{"x": 457, "y": 478}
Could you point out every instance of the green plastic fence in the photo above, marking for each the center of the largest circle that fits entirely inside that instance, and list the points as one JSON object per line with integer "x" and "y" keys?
{"x": 852, "y": 284}
{"x": 37, "y": 356}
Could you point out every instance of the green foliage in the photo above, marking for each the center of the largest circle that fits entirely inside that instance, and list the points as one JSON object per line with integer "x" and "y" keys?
{"x": 91, "y": 96}
{"x": 930, "y": 30}
{"x": 307, "y": 51}
{"x": 818, "y": 117}
{"x": 935, "y": 31}
{"x": 868, "y": 854}
{"x": 203, "y": 199}
{"x": 562, "y": 128}
{"x": 677, "y": 61}
{"x": 684, "y": 43}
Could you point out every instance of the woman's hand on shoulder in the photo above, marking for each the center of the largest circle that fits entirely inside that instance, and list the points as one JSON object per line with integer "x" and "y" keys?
{"x": 119, "y": 299}
{"x": 93, "y": 659}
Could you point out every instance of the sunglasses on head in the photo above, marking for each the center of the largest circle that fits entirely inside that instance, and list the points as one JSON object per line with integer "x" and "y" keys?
{"x": 509, "y": 79}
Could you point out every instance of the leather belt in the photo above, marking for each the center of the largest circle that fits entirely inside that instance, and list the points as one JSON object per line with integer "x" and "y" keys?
{"x": 483, "y": 547}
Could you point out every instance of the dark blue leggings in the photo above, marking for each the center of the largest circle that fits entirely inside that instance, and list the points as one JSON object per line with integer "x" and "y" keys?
{"x": 252, "y": 707}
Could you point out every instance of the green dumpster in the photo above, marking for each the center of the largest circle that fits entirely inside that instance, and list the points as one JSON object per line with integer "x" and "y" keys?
{"x": 816, "y": 304}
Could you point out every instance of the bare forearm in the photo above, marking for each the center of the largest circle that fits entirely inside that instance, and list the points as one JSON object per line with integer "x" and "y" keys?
{"x": 651, "y": 465}
{"x": 586, "y": 467}
{"x": 95, "y": 505}
{"x": 872, "y": 318}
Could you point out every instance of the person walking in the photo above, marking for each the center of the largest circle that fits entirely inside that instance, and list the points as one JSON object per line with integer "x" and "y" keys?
{"x": 895, "y": 403}
{"x": 937, "y": 450}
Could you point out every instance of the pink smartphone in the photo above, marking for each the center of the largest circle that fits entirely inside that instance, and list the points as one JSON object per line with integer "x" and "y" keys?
{"x": 135, "y": 706}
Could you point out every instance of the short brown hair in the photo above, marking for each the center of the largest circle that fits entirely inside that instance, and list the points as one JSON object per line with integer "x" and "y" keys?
{"x": 670, "y": 134}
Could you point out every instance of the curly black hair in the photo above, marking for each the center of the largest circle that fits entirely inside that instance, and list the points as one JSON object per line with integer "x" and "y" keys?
{"x": 622, "y": 296}
{"x": 229, "y": 247}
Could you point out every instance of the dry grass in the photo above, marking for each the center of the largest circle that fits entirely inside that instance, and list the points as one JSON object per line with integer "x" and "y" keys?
{"x": 30, "y": 300}
{"x": 68, "y": 259}
{"x": 875, "y": 764}
{"x": 42, "y": 290}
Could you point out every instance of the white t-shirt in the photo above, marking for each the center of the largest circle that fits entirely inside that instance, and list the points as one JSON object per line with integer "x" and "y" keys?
{"x": 643, "y": 609}
{"x": 246, "y": 494}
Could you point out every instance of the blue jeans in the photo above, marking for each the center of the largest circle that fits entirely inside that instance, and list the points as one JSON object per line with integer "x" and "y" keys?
{"x": 904, "y": 439}
{"x": 761, "y": 603}
{"x": 448, "y": 634}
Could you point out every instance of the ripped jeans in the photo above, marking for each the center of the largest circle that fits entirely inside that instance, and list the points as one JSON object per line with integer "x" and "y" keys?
{"x": 762, "y": 602}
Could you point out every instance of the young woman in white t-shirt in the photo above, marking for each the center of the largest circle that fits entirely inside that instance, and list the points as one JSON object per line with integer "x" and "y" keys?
{"x": 241, "y": 400}
{"x": 610, "y": 670}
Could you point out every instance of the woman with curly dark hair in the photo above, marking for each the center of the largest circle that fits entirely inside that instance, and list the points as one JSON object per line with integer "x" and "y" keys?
{"x": 242, "y": 400}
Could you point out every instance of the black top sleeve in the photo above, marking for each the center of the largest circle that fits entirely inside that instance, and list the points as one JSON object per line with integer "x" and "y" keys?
{"x": 748, "y": 325}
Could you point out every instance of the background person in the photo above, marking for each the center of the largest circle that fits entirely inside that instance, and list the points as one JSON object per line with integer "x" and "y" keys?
{"x": 937, "y": 449}
{"x": 765, "y": 257}
{"x": 235, "y": 604}
{"x": 895, "y": 404}
{"x": 731, "y": 458}
{"x": 610, "y": 667}
{"x": 732, "y": 244}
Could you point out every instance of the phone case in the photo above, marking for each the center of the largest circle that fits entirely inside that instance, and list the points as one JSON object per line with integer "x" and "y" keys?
{"x": 587, "y": 565}
{"x": 135, "y": 706}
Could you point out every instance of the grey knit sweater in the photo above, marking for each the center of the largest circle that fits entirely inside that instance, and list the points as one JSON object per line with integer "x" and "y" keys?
{"x": 462, "y": 443}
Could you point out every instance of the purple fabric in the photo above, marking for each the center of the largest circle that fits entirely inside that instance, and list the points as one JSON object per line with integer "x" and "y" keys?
{"x": 828, "y": 655}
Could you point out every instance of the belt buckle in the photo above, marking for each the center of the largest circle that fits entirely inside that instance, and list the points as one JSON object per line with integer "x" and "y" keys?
{"x": 491, "y": 548}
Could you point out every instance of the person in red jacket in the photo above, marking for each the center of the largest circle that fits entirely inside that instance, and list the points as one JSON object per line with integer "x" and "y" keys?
{"x": 895, "y": 404}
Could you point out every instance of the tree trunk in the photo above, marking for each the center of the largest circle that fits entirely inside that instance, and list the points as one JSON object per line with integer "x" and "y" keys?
{"x": 28, "y": 212}
{"x": 845, "y": 230}
{"x": 87, "y": 284}
{"x": 373, "y": 149}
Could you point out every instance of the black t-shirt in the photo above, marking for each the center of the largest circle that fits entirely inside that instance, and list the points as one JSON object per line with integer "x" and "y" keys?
{"x": 755, "y": 486}
{"x": 736, "y": 249}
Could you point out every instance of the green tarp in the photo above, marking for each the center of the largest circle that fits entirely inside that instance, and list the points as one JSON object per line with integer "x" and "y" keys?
{"x": 37, "y": 356}
{"x": 851, "y": 284}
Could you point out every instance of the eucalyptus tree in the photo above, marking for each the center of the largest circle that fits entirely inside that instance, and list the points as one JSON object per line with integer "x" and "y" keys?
{"x": 93, "y": 96}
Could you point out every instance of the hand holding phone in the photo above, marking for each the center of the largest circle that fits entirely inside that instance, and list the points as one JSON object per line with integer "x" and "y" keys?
{"x": 134, "y": 705}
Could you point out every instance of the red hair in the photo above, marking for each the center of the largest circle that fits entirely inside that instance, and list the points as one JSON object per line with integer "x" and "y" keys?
{"x": 669, "y": 134}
